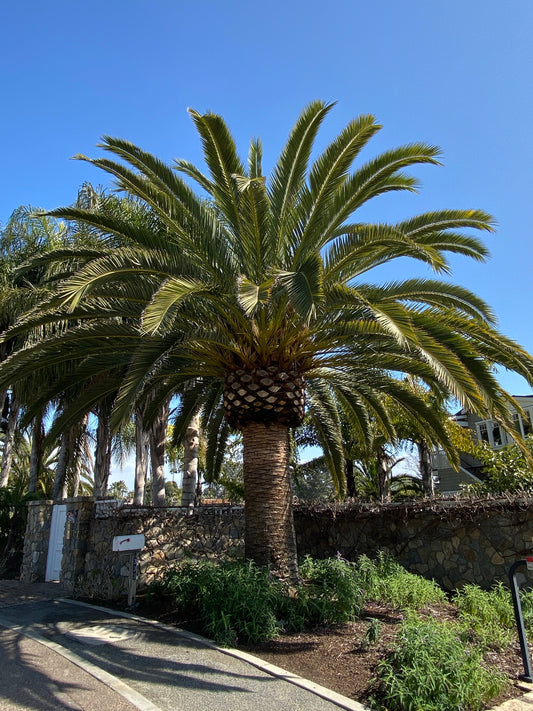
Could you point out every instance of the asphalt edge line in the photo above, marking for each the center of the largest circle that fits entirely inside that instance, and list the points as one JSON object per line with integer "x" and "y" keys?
{"x": 113, "y": 682}
{"x": 282, "y": 674}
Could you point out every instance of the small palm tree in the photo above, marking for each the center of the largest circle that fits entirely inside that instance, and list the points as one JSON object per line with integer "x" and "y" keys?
{"x": 254, "y": 304}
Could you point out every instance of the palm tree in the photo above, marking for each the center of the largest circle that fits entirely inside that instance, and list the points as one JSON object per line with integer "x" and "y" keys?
{"x": 256, "y": 296}
{"x": 24, "y": 236}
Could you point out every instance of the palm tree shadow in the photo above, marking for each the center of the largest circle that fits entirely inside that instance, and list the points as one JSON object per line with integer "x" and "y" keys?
{"x": 157, "y": 657}
{"x": 28, "y": 682}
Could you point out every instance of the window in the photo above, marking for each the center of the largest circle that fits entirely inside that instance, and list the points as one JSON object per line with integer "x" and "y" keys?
{"x": 496, "y": 435}
{"x": 483, "y": 432}
{"x": 491, "y": 432}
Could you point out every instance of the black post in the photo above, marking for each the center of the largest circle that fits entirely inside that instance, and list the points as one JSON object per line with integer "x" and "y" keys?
{"x": 519, "y": 617}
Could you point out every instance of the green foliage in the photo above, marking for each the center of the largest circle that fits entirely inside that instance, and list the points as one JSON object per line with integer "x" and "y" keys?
{"x": 431, "y": 669}
{"x": 434, "y": 665}
{"x": 13, "y": 517}
{"x": 507, "y": 470}
{"x": 331, "y": 591}
{"x": 488, "y": 616}
{"x": 312, "y": 481}
{"x": 234, "y": 601}
{"x": 526, "y": 598}
{"x": 118, "y": 490}
{"x": 372, "y": 633}
{"x": 172, "y": 493}
{"x": 385, "y": 580}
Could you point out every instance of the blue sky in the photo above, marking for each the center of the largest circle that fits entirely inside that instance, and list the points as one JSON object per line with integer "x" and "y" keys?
{"x": 455, "y": 74}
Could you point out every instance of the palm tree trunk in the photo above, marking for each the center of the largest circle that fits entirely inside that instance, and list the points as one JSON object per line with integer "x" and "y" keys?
{"x": 158, "y": 435}
{"x": 9, "y": 440}
{"x": 142, "y": 449}
{"x": 350, "y": 478}
{"x": 61, "y": 468}
{"x": 269, "y": 524}
{"x": 79, "y": 449}
{"x": 383, "y": 474}
{"x": 426, "y": 470}
{"x": 36, "y": 456}
{"x": 102, "y": 455}
{"x": 190, "y": 462}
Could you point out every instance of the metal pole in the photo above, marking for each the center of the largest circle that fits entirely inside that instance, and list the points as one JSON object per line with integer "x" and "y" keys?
{"x": 132, "y": 587}
{"x": 519, "y": 617}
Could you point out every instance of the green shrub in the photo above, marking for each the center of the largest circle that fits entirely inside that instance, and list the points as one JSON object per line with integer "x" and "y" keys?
{"x": 488, "y": 615}
{"x": 385, "y": 580}
{"x": 431, "y": 669}
{"x": 233, "y": 600}
{"x": 238, "y": 602}
{"x": 330, "y": 592}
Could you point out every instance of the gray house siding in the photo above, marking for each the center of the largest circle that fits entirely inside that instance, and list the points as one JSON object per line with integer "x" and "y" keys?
{"x": 448, "y": 480}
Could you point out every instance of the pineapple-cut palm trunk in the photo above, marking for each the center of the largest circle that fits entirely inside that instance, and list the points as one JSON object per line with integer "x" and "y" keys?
{"x": 269, "y": 524}
{"x": 190, "y": 462}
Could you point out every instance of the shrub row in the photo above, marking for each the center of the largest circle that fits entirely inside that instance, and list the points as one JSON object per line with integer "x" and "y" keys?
{"x": 434, "y": 666}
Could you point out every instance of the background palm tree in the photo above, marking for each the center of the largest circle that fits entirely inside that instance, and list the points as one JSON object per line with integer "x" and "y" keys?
{"x": 256, "y": 297}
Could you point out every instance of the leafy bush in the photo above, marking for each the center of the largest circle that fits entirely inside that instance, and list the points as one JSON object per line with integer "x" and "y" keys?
{"x": 234, "y": 601}
{"x": 506, "y": 471}
{"x": 331, "y": 591}
{"x": 488, "y": 615}
{"x": 385, "y": 580}
{"x": 431, "y": 669}
{"x": 526, "y": 597}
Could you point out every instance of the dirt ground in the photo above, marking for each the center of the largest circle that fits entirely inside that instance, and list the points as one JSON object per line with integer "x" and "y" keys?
{"x": 341, "y": 659}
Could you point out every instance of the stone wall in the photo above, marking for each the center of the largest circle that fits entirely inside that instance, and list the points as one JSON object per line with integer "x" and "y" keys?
{"x": 454, "y": 542}
{"x": 171, "y": 535}
{"x": 36, "y": 541}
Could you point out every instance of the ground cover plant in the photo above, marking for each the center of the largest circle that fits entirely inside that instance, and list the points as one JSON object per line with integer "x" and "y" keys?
{"x": 367, "y": 629}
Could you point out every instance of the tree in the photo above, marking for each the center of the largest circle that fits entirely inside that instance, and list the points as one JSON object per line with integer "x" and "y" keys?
{"x": 24, "y": 236}
{"x": 118, "y": 490}
{"x": 256, "y": 296}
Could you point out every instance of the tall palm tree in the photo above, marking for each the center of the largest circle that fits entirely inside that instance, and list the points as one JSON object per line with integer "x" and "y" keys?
{"x": 256, "y": 296}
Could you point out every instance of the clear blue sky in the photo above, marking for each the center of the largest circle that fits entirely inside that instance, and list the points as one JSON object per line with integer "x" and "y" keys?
{"x": 458, "y": 74}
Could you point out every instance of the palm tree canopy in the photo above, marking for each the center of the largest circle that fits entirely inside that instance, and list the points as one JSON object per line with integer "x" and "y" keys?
{"x": 253, "y": 291}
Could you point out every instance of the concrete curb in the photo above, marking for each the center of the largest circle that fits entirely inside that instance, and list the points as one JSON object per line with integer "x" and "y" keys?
{"x": 523, "y": 703}
{"x": 342, "y": 701}
{"x": 113, "y": 682}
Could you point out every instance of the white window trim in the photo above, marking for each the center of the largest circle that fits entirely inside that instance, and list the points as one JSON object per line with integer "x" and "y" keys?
{"x": 506, "y": 438}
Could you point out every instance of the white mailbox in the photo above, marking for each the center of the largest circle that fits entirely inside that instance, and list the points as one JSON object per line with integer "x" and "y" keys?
{"x": 128, "y": 542}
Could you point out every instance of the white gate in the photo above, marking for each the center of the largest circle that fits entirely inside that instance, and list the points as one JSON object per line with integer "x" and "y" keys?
{"x": 55, "y": 545}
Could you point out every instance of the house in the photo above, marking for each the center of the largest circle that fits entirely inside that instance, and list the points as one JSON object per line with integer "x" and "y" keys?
{"x": 449, "y": 481}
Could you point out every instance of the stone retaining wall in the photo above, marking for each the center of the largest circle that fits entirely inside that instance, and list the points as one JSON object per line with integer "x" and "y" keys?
{"x": 36, "y": 541}
{"x": 454, "y": 542}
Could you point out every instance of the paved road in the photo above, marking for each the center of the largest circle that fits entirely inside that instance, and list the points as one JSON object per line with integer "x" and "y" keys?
{"x": 59, "y": 654}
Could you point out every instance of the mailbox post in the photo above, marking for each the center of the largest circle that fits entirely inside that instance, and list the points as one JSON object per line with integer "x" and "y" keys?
{"x": 132, "y": 544}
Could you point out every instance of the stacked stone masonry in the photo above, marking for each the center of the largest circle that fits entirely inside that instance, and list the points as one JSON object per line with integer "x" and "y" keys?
{"x": 452, "y": 542}
{"x": 36, "y": 541}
